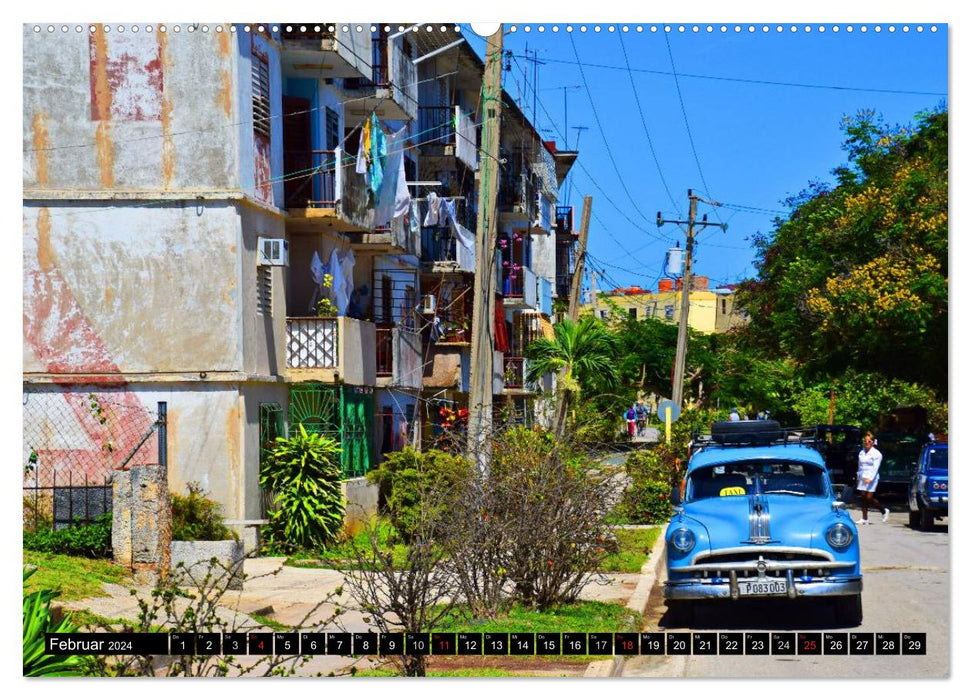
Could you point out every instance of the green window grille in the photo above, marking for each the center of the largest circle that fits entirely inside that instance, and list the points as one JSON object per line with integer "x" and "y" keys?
{"x": 343, "y": 413}
{"x": 272, "y": 426}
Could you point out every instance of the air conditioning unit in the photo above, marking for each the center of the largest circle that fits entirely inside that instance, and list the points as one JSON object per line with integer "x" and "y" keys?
{"x": 273, "y": 251}
{"x": 428, "y": 304}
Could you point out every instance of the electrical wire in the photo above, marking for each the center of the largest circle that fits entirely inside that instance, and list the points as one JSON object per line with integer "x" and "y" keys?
{"x": 647, "y": 133}
{"x": 755, "y": 81}
{"x": 603, "y": 136}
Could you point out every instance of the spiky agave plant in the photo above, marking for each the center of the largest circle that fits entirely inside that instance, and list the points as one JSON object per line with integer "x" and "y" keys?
{"x": 37, "y": 622}
{"x": 304, "y": 472}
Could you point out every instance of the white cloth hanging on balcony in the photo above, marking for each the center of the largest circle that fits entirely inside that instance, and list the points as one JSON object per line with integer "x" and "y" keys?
{"x": 347, "y": 273}
{"x": 431, "y": 218}
{"x": 336, "y": 292}
{"x": 464, "y": 247}
{"x": 393, "y": 198}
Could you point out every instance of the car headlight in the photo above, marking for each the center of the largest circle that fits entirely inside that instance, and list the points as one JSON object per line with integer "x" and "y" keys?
{"x": 839, "y": 536}
{"x": 683, "y": 540}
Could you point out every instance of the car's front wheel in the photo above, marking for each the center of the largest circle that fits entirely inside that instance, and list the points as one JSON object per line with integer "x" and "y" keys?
{"x": 849, "y": 609}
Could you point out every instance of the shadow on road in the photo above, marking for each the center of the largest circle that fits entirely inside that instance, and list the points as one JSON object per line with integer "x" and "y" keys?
{"x": 752, "y": 615}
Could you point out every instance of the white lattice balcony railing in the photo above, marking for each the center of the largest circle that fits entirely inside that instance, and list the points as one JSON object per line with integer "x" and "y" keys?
{"x": 312, "y": 342}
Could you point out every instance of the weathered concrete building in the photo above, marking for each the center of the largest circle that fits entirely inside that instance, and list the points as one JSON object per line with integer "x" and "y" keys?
{"x": 190, "y": 199}
{"x": 148, "y": 183}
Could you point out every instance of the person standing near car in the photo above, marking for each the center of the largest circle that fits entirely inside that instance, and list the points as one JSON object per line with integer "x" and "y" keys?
{"x": 867, "y": 478}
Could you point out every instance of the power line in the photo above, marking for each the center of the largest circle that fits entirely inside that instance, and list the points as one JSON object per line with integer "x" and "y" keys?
{"x": 647, "y": 133}
{"x": 756, "y": 81}
{"x": 596, "y": 116}
{"x": 684, "y": 113}
{"x": 593, "y": 180}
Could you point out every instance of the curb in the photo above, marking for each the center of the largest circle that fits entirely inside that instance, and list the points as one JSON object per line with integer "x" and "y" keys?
{"x": 637, "y": 603}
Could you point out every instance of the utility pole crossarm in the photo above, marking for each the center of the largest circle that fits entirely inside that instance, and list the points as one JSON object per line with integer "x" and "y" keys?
{"x": 677, "y": 380}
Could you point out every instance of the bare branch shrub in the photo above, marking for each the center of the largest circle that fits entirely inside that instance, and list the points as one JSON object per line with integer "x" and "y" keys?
{"x": 192, "y": 604}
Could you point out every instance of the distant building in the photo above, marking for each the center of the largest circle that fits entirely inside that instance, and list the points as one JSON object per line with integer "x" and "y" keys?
{"x": 709, "y": 311}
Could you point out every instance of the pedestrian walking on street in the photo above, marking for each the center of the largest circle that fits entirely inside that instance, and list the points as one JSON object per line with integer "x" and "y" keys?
{"x": 868, "y": 476}
{"x": 641, "y": 418}
{"x": 631, "y": 417}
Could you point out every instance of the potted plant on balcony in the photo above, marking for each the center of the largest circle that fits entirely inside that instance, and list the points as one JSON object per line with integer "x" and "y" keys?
{"x": 325, "y": 307}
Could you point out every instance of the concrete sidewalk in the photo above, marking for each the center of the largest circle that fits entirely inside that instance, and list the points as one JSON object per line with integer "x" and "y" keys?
{"x": 305, "y": 598}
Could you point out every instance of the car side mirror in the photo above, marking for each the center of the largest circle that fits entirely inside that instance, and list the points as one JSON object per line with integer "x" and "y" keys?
{"x": 676, "y": 495}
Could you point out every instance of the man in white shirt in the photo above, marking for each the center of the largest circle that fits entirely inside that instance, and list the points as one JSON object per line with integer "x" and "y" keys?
{"x": 867, "y": 478}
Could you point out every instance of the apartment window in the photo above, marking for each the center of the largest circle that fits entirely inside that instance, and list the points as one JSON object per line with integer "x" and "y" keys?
{"x": 632, "y": 312}
{"x": 264, "y": 289}
{"x": 603, "y": 314}
{"x": 669, "y": 312}
{"x": 332, "y": 128}
{"x": 261, "y": 95}
{"x": 724, "y": 306}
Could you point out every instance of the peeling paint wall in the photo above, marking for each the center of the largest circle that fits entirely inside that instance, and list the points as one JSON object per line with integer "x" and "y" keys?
{"x": 263, "y": 334}
{"x": 148, "y": 111}
{"x": 213, "y": 433}
{"x": 130, "y": 289}
{"x": 260, "y": 160}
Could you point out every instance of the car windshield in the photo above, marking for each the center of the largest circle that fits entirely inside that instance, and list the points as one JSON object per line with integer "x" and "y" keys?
{"x": 937, "y": 459}
{"x": 748, "y": 478}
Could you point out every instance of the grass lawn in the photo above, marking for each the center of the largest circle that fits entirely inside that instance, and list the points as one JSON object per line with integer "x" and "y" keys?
{"x": 340, "y": 555}
{"x": 76, "y": 577}
{"x": 635, "y": 546}
{"x": 582, "y": 616}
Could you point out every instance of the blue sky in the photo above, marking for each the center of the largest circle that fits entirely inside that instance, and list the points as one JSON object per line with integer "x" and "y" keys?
{"x": 764, "y": 120}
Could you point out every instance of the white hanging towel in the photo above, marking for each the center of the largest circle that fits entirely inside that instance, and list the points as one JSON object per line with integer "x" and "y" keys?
{"x": 336, "y": 292}
{"x": 431, "y": 218}
{"x": 464, "y": 247}
{"x": 347, "y": 272}
{"x": 317, "y": 269}
{"x": 393, "y": 197}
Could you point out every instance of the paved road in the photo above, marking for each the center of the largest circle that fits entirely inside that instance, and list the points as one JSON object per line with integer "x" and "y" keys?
{"x": 906, "y": 588}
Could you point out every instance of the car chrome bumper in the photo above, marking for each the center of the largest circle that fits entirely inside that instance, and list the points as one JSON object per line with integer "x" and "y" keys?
{"x": 708, "y": 589}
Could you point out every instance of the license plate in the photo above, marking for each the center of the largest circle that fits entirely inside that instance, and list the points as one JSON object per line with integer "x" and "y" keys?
{"x": 762, "y": 588}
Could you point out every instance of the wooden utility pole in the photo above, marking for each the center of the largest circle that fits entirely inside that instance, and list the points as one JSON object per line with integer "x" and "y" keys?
{"x": 581, "y": 257}
{"x": 559, "y": 425}
{"x": 677, "y": 382}
{"x": 484, "y": 299}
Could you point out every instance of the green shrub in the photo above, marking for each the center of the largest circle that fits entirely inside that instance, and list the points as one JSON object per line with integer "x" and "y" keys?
{"x": 38, "y": 621}
{"x": 195, "y": 517}
{"x": 645, "y": 503}
{"x": 92, "y": 541}
{"x": 408, "y": 479}
{"x": 304, "y": 472}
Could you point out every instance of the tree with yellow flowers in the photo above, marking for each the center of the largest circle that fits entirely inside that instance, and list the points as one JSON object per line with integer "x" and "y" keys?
{"x": 855, "y": 279}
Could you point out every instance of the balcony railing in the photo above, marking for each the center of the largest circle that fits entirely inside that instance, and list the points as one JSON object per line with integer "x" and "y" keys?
{"x": 448, "y": 130}
{"x": 520, "y": 285}
{"x": 384, "y": 354}
{"x": 514, "y": 372}
{"x": 563, "y": 284}
{"x": 564, "y": 219}
{"x": 312, "y": 343}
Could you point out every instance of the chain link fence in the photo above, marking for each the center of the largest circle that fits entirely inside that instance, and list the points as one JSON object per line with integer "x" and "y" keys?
{"x": 73, "y": 442}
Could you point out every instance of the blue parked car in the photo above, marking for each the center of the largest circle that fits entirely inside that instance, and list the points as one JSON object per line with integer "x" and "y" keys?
{"x": 757, "y": 518}
{"x": 927, "y": 494}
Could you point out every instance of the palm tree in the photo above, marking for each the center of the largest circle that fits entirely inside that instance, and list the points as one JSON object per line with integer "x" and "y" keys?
{"x": 583, "y": 353}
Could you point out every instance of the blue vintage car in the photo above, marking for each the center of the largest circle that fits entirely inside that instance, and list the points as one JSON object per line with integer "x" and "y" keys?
{"x": 758, "y": 518}
{"x": 927, "y": 494}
